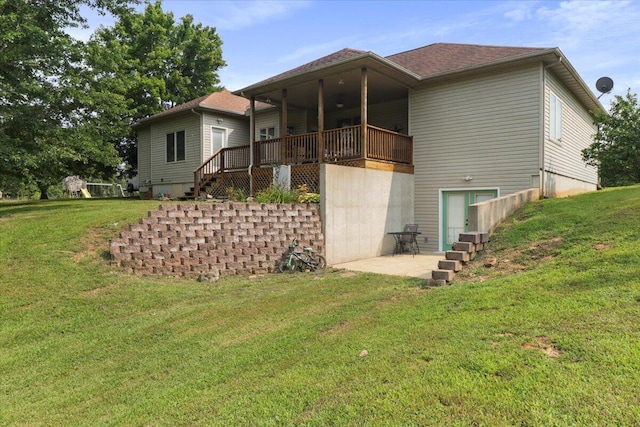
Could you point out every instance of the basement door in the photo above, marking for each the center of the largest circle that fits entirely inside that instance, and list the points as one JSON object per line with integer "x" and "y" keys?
{"x": 455, "y": 212}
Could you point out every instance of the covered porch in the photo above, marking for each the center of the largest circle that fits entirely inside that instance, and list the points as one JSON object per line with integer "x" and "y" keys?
{"x": 349, "y": 108}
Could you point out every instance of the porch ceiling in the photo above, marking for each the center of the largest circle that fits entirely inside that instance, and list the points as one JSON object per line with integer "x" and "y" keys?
{"x": 384, "y": 83}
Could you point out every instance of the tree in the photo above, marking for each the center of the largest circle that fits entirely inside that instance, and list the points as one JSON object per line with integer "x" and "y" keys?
{"x": 616, "y": 147}
{"x": 145, "y": 63}
{"x": 42, "y": 137}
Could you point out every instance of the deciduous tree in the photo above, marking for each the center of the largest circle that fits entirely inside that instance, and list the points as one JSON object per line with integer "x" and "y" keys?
{"x": 616, "y": 147}
{"x": 41, "y": 133}
{"x": 146, "y": 62}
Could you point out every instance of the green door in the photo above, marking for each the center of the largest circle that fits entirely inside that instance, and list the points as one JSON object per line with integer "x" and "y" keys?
{"x": 455, "y": 212}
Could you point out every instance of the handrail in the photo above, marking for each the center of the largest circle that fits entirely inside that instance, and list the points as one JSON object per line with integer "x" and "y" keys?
{"x": 389, "y": 146}
{"x": 341, "y": 144}
{"x": 223, "y": 160}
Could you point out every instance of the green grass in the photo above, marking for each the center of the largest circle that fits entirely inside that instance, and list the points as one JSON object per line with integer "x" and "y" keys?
{"x": 547, "y": 337}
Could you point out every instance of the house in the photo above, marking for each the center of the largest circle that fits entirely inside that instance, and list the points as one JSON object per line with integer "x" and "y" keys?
{"x": 418, "y": 136}
{"x": 173, "y": 143}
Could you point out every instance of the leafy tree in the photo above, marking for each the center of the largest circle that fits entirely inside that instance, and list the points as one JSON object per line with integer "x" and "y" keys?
{"x": 41, "y": 138}
{"x": 616, "y": 147}
{"x": 145, "y": 63}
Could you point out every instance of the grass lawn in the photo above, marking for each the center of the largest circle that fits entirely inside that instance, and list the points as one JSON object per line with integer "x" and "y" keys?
{"x": 548, "y": 336}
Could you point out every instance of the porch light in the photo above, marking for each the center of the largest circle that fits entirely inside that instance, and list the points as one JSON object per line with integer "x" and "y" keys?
{"x": 340, "y": 102}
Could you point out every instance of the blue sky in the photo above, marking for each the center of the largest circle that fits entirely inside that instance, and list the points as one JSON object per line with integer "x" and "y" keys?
{"x": 264, "y": 38}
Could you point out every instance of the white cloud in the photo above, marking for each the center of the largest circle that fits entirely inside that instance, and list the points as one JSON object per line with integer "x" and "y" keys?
{"x": 520, "y": 12}
{"x": 258, "y": 15}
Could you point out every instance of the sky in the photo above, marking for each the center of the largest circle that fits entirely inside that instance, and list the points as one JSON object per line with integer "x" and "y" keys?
{"x": 264, "y": 38}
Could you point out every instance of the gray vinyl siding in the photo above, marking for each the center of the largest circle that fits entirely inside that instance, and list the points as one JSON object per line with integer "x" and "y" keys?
{"x": 268, "y": 119}
{"x": 297, "y": 119}
{"x": 487, "y": 128}
{"x": 181, "y": 171}
{"x": 390, "y": 114}
{"x": 564, "y": 157}
{"x": 144, "y": 155}
{"x": 237, "y": 128}
{"x": 384, "y": 115}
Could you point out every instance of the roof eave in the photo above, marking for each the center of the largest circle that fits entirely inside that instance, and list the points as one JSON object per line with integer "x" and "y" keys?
{"x": 549, "y": 57}
{"x": 364, "y": 59}
{"x": 197, "y": 108}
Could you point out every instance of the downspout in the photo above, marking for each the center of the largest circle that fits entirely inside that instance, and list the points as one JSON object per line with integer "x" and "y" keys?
{"x": 543, "y": 104}
{"x": 201, "y": 116}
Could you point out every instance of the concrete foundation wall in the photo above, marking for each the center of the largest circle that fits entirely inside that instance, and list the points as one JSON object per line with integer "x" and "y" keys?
{"x": 359, "y": 207}
{"x": 563, "y": 186}
{"x": 486, "y": 216}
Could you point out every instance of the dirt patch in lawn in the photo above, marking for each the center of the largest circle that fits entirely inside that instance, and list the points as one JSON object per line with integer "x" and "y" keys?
{"x": 544, "y": 345}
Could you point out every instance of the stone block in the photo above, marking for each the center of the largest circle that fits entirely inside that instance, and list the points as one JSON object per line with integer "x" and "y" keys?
{"x": 464, "y": 246}
{"x": 457, "y": 255}
{"x": 473, "y": 237}
{"x": 453, "y": 265}
{"x": 437, "y": 282}
{"x": 447, "y": 275}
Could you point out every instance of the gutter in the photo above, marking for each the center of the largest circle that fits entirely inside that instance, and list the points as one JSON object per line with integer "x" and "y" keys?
{"x": 201, "y": 135}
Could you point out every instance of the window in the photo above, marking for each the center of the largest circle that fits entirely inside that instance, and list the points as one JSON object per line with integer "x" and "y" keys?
{"x": 267, "y": 133}
{"x": 555, "y": 118}
{"x": 175, "y": 146}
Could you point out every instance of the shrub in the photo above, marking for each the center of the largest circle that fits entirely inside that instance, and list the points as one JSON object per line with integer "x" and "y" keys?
{"x": 276, "y": 194}
{"x": 305, "y": 196}
{"x": 236, "y": 194}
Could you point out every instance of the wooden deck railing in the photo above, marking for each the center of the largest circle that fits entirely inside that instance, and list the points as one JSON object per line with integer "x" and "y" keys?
{"x": 389, "y": 146}
{"x": 339, "y": 145}
{"x": 225, "y": 159}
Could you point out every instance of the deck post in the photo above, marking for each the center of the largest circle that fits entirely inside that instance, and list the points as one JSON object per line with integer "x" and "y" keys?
{"x": 363, "y": 110}
{"x": 254, "y": 155}
{"x": 321, "y": 121}
{"x": 283, "y": 126}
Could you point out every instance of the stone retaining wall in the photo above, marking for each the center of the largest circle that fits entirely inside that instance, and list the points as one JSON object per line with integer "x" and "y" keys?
{"x": 216, "y": 239}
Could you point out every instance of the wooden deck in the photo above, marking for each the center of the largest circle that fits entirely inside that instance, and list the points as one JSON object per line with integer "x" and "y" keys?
{"x": 379, "y": 149}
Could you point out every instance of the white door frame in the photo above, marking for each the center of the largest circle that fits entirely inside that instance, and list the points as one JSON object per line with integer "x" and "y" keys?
{"x": 225, "y": 139}
{"x": 441, "y": 192}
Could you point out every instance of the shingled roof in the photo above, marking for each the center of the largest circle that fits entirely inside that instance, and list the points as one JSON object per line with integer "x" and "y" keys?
{"x": 335, "y": 57}
{"x": 442, "y": 58}
{"x": 223, "y": 101}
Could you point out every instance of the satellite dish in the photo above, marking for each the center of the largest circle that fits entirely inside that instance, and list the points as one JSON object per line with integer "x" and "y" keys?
{"x": 604, "y": 85}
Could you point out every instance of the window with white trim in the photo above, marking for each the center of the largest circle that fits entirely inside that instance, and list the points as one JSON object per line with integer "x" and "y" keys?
{"x": 555, "y": 118}
{"x": 267, "y": 133}
{"x": 175, "y": 146}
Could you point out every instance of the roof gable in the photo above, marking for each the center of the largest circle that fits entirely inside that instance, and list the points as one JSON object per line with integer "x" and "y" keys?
{"x": 440, "y": 58}
{"x": 222, "y": 101}
{"x": 333, "y": 58}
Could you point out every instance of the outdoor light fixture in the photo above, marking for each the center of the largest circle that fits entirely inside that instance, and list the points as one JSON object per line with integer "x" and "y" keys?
{"x": 340, "y": 82}
{"x": 340, "y": 102}
{"x": 468, "y": 178}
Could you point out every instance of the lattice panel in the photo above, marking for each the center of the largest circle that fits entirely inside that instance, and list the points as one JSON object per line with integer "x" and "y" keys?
{"x": 306, "y": 174}
{"x": 227, "y": 181}
{"x": 262, "y": 178}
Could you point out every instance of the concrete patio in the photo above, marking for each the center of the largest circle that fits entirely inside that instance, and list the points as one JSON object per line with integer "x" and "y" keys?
{"x": 419, "y": 265}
